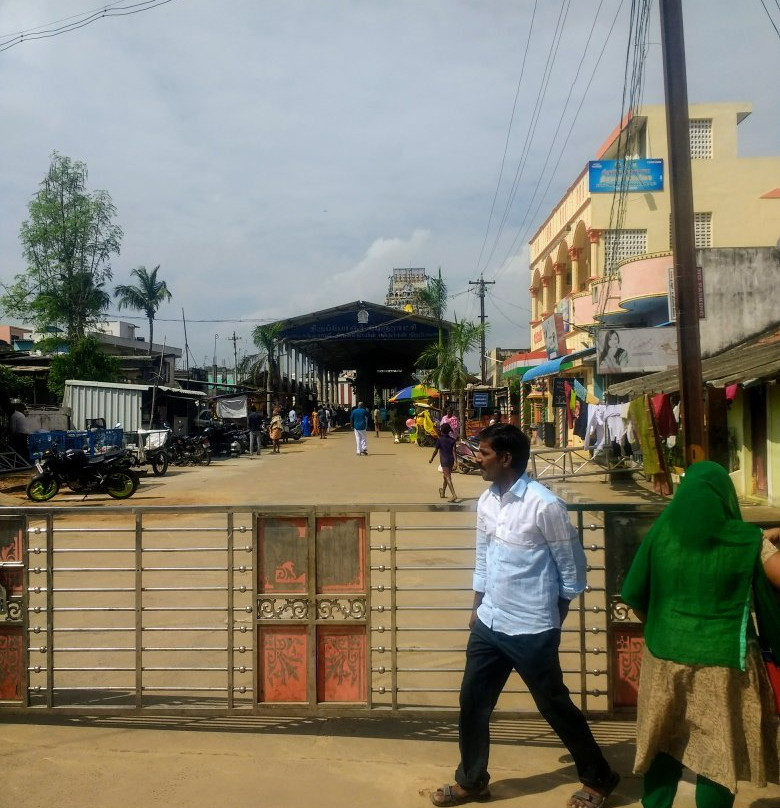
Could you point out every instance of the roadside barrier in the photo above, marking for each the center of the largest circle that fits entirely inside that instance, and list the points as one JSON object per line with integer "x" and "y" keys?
{"x": 336, "y": 610}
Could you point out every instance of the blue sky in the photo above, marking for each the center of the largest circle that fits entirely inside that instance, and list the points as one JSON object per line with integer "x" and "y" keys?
{"x": 279, "y": 158}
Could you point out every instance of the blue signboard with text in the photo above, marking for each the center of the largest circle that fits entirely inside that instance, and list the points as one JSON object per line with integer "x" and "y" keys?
{"x": 632, "y": 176}
{"x": 479, "y": 400}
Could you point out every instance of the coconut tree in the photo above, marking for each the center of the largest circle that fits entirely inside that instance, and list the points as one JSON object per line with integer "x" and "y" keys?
{"x": 267, "y": 339}
{"x": 147, "y": 296}
{"x": 433, "y": 297}
{"x": 443, "y": 364}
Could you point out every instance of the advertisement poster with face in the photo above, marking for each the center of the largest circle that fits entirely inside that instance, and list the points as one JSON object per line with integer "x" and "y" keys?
{"x": 552, "y": 328}
{"x": 635, "y": 350}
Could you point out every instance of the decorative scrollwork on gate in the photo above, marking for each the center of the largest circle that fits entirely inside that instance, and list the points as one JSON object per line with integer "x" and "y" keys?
{"x": 619, "y": 611}
{"x": 344, "y": 608}
{"x": 10, "y": 608}
{"x": 282, "y": 608}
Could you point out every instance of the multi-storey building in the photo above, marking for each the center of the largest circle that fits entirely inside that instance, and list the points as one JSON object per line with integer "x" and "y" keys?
{"x": 602, "y": 258}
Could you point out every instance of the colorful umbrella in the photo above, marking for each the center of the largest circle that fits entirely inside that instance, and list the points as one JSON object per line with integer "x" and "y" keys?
{"x": 418, "y": 391}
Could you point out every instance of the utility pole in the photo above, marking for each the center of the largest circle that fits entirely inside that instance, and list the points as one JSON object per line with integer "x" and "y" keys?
{"x": 214, "y": 378}
{"x": 683, "y": 242}
{"x": 234, "y": 339}
{"x": 481, "y": 284}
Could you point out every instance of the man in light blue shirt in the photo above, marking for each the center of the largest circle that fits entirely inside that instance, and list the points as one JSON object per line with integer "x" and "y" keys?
{"x": 529, "y": 566}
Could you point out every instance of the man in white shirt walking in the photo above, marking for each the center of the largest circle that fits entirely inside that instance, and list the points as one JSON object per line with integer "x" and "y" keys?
{"x": 529, "y": 566}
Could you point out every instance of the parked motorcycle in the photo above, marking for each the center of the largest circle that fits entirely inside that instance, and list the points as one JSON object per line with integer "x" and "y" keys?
{"x": 107, "y": 473}
{"x": 466, "y": 457}
{"x": 220, "y": 438}
{"x": 291, "y": 430}
{"x": 188, "y": 450}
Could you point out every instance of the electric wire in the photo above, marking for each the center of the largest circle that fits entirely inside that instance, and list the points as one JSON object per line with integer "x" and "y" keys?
{"x": 522, "y": 230}
{"x": 508, "y": 135}
{"x": 532, "y": 125}
{"x": 79, "y": 21}
{"x": 770, "y": 16}
{"x": 637, "y": 51}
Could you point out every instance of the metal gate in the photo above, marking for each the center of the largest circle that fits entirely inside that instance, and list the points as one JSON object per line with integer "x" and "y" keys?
{"x": 320, "y": 610}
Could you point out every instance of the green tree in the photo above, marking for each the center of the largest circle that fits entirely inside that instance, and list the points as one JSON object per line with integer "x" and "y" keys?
{"x": 433, "y": 298}
{"x": 147, "y": 296}
{"x": 267, "y": 339}
{"x": 13, "y": 385}
{"x": 85, "y": 360}
{"x": 443, "y": 364}
{"x": 67, "y": 241}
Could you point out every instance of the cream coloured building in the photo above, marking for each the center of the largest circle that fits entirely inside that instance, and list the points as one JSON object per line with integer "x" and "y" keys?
{"x": 600, "y": 258}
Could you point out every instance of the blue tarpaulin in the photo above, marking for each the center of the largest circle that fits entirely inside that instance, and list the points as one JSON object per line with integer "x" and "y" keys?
{"x": 553, "y": 366}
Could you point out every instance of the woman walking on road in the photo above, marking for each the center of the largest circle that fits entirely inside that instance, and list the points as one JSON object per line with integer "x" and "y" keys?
{"x": 705, "y": 702}
{"x": 275, "y": 430}
{"x": 445, "y": 448}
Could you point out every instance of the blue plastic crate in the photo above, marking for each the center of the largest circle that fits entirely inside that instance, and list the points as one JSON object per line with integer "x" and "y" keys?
{"x": 93, "y": 442}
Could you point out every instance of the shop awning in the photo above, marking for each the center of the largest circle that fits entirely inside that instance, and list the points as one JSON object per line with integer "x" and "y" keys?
{"x": 756, "y": 361}
{"x": 553, "y": 366}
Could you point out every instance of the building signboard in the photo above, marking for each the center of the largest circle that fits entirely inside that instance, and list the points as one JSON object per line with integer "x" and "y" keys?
{"x": 552, "y": 328}
{"x": 632, "y": 176}
{"x": 635, "y": 350}
{"x": 672, "y": 295}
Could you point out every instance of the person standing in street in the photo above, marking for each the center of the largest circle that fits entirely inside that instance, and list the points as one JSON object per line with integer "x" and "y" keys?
{"x": 529, "y": 566}
{"x": 20, "y": 430}
{"x": 445, "y": 448}
{"x": 322, "y": 421}
{"x": 275, "y": 431}
{"x": 375, "y": 416}
{"x": 359, "y": 420}
{"x": 254, "y": 423}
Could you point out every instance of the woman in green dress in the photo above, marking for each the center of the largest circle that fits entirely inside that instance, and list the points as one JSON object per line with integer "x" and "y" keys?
{"x": 705, "y": 702}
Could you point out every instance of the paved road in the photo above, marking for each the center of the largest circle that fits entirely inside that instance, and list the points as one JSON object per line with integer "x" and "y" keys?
{"x": 155, "y": 762}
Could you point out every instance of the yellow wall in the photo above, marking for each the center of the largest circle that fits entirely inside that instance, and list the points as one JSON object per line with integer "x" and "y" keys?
{"x": 773, "y": 439}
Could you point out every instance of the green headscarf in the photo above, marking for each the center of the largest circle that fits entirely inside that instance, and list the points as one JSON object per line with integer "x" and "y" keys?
{"x": 693, "y": 574}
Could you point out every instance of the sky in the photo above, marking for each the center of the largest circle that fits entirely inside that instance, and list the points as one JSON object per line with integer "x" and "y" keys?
{"x": 281, "y": 158}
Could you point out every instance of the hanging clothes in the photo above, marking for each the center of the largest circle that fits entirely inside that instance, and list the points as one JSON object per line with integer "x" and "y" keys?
{"x": 664, "y": 416}
{"x": 595, "y": 432}
{"x": 581, "y": 419}
{"x": 642, "y": 418}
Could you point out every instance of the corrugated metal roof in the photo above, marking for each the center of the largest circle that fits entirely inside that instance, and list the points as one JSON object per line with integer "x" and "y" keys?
{"x": 755, "y": 361}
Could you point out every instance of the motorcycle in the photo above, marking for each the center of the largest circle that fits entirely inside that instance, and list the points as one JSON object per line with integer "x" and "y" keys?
{"x": 291, "y": 430}
{"x": 466, "y": 457}
{"x": 107, "y": 473}
{"x": 221, "y": 439}
{"x": 188, "y": 450}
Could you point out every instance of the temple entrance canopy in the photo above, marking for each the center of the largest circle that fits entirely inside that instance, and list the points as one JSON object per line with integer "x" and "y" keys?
{"x": 379, "y": 343}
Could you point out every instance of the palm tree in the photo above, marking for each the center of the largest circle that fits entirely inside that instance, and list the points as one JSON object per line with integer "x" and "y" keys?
{"x": 433, "y": 298}
{"x": 267, "y": 338}
{"x": 145, "y": 297}
{"x": 444, "y": 366}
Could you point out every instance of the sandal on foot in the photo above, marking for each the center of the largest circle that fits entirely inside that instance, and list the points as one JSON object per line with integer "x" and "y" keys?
{"x": 447, "y": 796}
{"x": 588, "y": 799}
{"x": 441, "y": 493}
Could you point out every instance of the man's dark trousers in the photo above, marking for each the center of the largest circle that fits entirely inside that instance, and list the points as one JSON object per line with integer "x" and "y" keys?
{"x": 490, "y": 658}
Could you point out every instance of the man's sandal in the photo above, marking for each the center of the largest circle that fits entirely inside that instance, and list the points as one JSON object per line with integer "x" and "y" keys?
{"x": 446, "y": 795}
{"x": 588, "y": 799}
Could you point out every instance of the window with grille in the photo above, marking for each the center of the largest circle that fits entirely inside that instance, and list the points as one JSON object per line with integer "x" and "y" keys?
{"x": 621, "y": 244}
{"x": 702, "y": 230}
{"x": 700, "y": 130}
